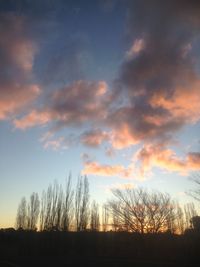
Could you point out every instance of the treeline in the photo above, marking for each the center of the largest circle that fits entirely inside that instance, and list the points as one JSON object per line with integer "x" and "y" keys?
{"x": 130, "y": 210}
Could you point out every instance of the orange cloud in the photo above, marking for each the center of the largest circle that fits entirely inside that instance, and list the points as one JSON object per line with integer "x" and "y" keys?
{"x": 158, "y": 156}
{"x": 122, "y": 137}
{"x": 129, "y": 172}
{"x": 103, "y": 170}
{"x": 148, "y": 157}
{"x": 184, "y": 103}
{"x": 32, "y": 119}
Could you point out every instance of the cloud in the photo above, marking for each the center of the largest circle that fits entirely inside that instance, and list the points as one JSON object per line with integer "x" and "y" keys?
{"x": 93, "y": 167}
{"x": 155, "y": 94}
{"x": 55, "y": 144}
{"x": 159, "y": 79}
{"x": 78, "y": 103}
{"x": 32, "y": 119}
{"x": 184, "y": 104}
{"x": 137, "y": 46}
{"x": 94, "y": 138}
{"x": 143, "y": 161}
{"x": 14, "y": 98}
{"x": 17, "y": 52}
{"x": 158, "y": 156}
{"x": 103, "y": 170}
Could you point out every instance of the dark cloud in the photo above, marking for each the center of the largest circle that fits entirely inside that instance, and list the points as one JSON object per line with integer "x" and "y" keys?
{"x": 94, "y": 137}
{"x": 17, "y": 52}
{"x": 81, "y": 102}
{"x": 159, "y": 76}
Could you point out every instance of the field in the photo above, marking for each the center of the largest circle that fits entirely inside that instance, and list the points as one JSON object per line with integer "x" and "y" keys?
{"x": 20, "y": 248}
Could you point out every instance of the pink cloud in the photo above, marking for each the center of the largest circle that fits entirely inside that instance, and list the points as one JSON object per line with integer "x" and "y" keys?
{"x": 32, "y": 119}
{"x": 77, "y": 103}
{"x": 103, "y": 170}
{"x": 17, "y": 59}
{"x": 183, "y": 104}
{"x": 158, "y": 156}
{"x": 122, "y": 137}
{"x": 94, "y": 168}
{"x": 94, "y": 138}
{"x": 16, "y": 97}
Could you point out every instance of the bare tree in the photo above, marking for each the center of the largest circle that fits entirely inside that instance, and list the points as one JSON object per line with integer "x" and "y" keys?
{"x": 190, "y": 211}
{"x": 43, "y": 205}
{"x": 82, "y": 204}
{"x": 195, "y": 193}
{"x": 94, "y": 217}
{"x": 195, "y": 223}
{"x": 52, "y": 208}
{"x": 67, "y": 214}
{"x": 85, "y": 211}
{"x": 180, "y": 223}
{"x": 139, "y": 211}
{"x": 33, "y": 211}
{"x": 105, "y": 217}
{"x": 21, "y": 218}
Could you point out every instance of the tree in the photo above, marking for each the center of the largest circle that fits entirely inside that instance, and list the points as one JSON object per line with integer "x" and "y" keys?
{"x": 195, "y": 193}
{"x": 67, "y": 214}
{"x": 21, "y": 218}
{"x": 195, "y": 222}
{"x": 105, "y": 217}
{"x": 190, "y": 211}
{"x": 43, "y": 211}
{"x": 94, "y": 217}
{"x": 180, "y": 223}
{"x": 33, "y": 211}
{"x": 137, "y": 210}
{"x": 82, "y": 204}
{"x": 51, "y": 208}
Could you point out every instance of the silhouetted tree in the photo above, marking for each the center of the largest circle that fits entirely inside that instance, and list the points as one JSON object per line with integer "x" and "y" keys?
{"x": 195, "y": 223}
{"x": 33, "y": 211}
{"x": 195, "y": 193}
{"x": 105, "y": 217}
{"x": 140, "y": 211}
{"x": 67, "y": 213}
{"x": 51, "y": 208}
{"x": 180, "y": 223}
{"x": 190, "y": 211}
{"x": 82, "y": 204}
{"x": 21, "y": 218}
{"x": 43, "y": 210}
{"x": 94, "y": 217}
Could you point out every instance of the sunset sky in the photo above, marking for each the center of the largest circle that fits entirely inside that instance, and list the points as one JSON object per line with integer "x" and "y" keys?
{"x": 106, "y": 88}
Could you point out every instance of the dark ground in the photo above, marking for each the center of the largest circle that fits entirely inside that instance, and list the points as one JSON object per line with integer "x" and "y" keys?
{"x": 27, "y": 249}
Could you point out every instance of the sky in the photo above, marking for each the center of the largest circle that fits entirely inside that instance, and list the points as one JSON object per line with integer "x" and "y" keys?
{"x": 106, "y": 88}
